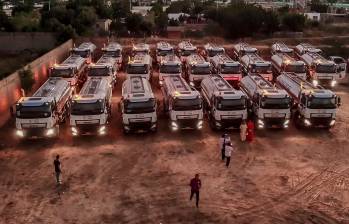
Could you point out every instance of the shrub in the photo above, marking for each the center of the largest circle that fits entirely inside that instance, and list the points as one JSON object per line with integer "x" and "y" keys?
{"x": 27, "y": 79}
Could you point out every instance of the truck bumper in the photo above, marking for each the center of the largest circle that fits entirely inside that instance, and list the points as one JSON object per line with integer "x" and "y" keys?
{"x": 319, "y": 122}
{"x": 89, "y": 129}
{"x": 37, "y": 133}
{"x": 186, "y": 124}
{"x": 140, "y": 126}
{"x": 228, "y": 123}
{"x": 272, "y": 123}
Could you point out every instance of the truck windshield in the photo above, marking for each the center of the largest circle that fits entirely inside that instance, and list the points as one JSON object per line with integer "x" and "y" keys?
{"x": 81, "y": 108}
{"x": 212, "y": 53}
{"x": 201, "y": 70}
{"x": 275, "y": 103}
{"x": 326, "y": 68}
{"x": 64, "y": 73}
{"x": 83, "y": 54}
{"x": 168, "y": 69}
{"x": 322, "y": 103}
{"x": 231, "y": 104}
{"x": 99, "y": 71}
{"x": 188, "y": 52}
{"x": 230, "y": 69}
{"x": 265, "y": 68}
{"x": 164, "y": 52}
{"x": 41, "y": 111}
{"x": 113, "y": 54}
{"x": 295, "y": 68}
{"x": 140, "y": 107}
{"x": 187, "y": 104}
{"x": 137, "y": 69}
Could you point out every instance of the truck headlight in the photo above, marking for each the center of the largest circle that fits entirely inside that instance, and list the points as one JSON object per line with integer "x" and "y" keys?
{"x": 286, "y": 123}
{"x": 174, "y": 126}
{"x": 332, "y": 122}
{"x": 160, "y": 82}
{"x": 199, "y": 125}
{"x": 307, "y": 122}
{"x": 260, "y": 123}
{"x": 333, "y": 83}
{"x": 20, "y": 133}
{"x": 50, "y": 132}
{"x": 192, "y": 84}
{"x": 218, "y": 124}
{"x": 102, "y": 130}
{"x": 315, "y": 82}
{"x": 74, "y": 131}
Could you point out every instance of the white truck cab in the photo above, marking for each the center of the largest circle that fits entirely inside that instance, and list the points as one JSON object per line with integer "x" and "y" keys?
{"x": 242, "y": 49}
{"x": 139, "y": 65}
{"x": 226, "y": 107}
{"x": 226, "y": 67}
{"x": 304, "y": 48}
{"x": 91, "y": 108}
{"x": 341, "y": 65}
{"x": 113, "y": 50}
{"x": 141, "y": 48}
{"x": 185, "y": 49}
{"x": 105, "y": 67}
{"x": 197, "y": 69}
{"x": 313, "y": 106}
{"x": 282, "y": 48}
{"x": 254, "y": 64}
{"x": 320, "y": 70}
{"x": 169, "y": 65}
{"x": 282, "y": 62}
{"x": 211, "y": 50}
{"x": 41, "y": 114}
{"x": 138, "y": 105}
{"x": 85, "y": 50}
{"x": 183, "y": 104}
{"x": 72, "y": 70}
{"x": 270, "y": 105}
{"x": 163, "y": 49}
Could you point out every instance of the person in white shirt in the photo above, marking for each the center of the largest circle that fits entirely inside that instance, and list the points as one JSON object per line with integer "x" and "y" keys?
{"x": 227, "y": 153}
{"x": 222, "y": 142}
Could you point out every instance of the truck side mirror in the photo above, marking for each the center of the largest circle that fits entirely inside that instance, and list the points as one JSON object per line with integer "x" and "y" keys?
{"x": 13, "y": 110}
{"x": 339, "y": 101}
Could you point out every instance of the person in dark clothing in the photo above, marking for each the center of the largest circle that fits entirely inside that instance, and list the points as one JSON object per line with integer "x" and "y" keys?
{"x": 195, "y": 185}
{"x": 58, "y": 171}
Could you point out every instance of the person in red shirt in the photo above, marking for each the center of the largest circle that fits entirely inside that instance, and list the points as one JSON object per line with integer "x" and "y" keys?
{"x": 250, "y": 131}
{"x": 195, "y": 185}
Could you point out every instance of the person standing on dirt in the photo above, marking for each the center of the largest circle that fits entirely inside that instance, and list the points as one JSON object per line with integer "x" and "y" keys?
{"x": 227, "y": 151}
{"x": 195, "y": 185}
{"x": 58, "y": 171}
{"x": 250, "y": 131}
{"x": 243, "y": 131}
{"x": 222, "y": 142}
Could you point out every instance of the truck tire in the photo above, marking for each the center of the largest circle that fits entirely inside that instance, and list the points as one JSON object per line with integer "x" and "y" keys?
{"x": 298, "y": 121}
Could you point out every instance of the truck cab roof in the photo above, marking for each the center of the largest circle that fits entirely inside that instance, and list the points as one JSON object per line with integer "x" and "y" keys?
{"x": 112, "y": 46}
{"x": 137, "y": 89}
{"x": 221, "y": 87}
{"x": 164, "y": 46}
{"x": 186, "y": 45}
{"x": 279, "y": 47}
{"x": 178, "y": 88}
{"x": 95, "y": 88}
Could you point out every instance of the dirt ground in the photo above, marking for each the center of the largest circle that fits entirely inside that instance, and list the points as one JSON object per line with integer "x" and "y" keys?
{"x": 287, "y": 176}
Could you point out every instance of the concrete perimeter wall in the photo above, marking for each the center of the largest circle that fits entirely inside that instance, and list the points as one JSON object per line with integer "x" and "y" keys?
{"x": 11, "y": 43}
{"x": 10, "y": 87}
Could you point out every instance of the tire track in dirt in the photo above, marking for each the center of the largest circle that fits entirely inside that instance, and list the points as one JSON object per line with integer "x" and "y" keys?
{"x": 308, "y": 187}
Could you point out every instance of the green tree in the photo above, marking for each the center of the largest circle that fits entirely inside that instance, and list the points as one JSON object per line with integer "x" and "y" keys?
{"x": 318, "y": 6}
{"x": 27, "y": 79}
{"x": 293, "y": 22}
